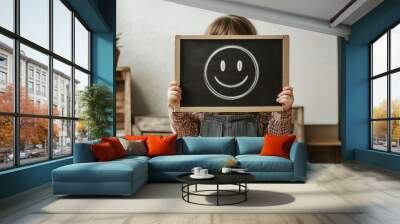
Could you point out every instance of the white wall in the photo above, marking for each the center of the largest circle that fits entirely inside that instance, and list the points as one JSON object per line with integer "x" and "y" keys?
{"x": 148, "y": 28}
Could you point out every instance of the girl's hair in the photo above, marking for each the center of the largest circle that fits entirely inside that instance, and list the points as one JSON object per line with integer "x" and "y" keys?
{"x": 231, "y": 25}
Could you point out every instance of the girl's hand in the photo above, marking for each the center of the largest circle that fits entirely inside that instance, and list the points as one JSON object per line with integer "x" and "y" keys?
{"x": 286, "y": 98}
{"x": 174, "y": 94}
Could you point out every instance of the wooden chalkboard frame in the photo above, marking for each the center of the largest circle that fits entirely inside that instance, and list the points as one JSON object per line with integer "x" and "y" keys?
{"x": 285, "y": 70}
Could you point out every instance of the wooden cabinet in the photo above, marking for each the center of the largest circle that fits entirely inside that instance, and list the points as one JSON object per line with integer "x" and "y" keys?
{"x": 124, "y": 101}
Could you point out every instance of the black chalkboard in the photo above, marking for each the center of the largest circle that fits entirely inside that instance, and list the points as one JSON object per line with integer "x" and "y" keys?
{"x": 231, "y": 73}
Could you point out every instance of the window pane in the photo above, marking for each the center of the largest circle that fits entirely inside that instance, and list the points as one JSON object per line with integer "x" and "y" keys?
{"x": 34, "y": 97}
{"x": 395, "y": 94}
{"x": 81, "y": 45}
{"x": 7, "y": 14}
{"x": 81, "y": 132}
{"x": 379, "y": 135}
{"x": 62, "y": 138}
{"x": 6, "y": 142}
{"x": 81, "y": 81}
{"x": 35, "y": 21}
{"x": 379, "y": 97}
{"x": 33, "y": 139}
{"x": 62, "y": 89}
{"x": 62, "y": 29}
{"x": 6, "y": 74}
{"x": 395, "y": 47}
{"x": 395, "y": 136}
{"x": 379, "y": 55}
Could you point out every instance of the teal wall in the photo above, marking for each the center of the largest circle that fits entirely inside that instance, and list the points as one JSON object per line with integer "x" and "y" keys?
{"x": 100, "y": 17}
{"x": 355, "y": 86}
{"x": 24, "y": 178}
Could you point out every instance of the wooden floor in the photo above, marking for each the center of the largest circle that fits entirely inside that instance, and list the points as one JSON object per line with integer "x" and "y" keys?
{"x": 379, "y": 189}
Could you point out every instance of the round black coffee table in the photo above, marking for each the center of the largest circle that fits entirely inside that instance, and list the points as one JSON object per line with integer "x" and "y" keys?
{"x": 238, "y": 179}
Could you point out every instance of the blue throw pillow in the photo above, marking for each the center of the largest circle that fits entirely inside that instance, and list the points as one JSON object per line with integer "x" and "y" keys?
{"x": 207, "y": 145}
{"x": 83, "y": 152}
{"x": 249, "y": 145}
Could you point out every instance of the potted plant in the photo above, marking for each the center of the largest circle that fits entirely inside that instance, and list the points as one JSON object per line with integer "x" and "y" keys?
{"x": 96, "y": 104}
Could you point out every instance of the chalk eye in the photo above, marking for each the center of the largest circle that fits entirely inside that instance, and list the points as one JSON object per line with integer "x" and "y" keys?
{"x": 222, "y": 65}
{"x": 239, "y": 65}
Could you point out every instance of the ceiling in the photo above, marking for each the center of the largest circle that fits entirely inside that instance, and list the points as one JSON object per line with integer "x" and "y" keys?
{"x": 333, "y": 17}
{"x": 319, "y": 9}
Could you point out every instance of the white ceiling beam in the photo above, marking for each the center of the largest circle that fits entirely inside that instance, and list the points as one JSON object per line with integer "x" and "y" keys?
{"x": 348, "y": 12}
{"x": 268, "y": 15}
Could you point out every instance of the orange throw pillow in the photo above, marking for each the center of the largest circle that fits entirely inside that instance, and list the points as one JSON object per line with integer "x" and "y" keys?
{"x": 277, "y": 145}
{"x": 116, "y": 145}
{"x": 103, "y": 152}
{"x": 161, "y": 145}
{"x": 135, "y": 137}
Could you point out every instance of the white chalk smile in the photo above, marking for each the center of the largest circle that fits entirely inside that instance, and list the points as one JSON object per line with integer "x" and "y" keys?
{"x": 233, "y": 85}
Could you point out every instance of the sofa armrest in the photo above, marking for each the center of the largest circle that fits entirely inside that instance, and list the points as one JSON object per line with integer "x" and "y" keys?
{"x": 83, "y": 152}
{"x": 298, "y": 155}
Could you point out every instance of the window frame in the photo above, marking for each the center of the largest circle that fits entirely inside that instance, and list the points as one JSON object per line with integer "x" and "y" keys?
{"x": 388, "y": 74}
{"x": 16, "y": 114}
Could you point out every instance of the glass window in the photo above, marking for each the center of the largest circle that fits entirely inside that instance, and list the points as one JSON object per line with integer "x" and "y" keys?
{"x": 379, "y": 135}
{"x": 62, "y": 137}
{"x": 81, "y": 81}
{"x": 6, "y": 142}
{"x": 44, "y": 91}
{"x": 61, "y": 75}
{"x": 30, "y": 71}
{"x": 34, "y": 21}
{"x": 34, "y": 53}
{"x": 62, "y": 29}
{"x": 40, "y": 62}
{"x": 379, "y": 56}
{"x": 81, "y": 45}
{"x": 385, "y": 92}
{"x": 7, "y": 14}
{"x": 6, "y": 73}
{"x": 395, "y": 47}
{"x": 81, "y": 131}
{"x": 3, "y": 60}
{"x": 33, "y": 140}
{"x": 395, "y": 95}
{"x": 379, "y": 97}
{"x": 30, "y": 87}
{"x": 395, "y": 136}
{"x": 37, "y": 89}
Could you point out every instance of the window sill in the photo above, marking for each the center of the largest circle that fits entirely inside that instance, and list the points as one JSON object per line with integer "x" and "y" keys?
{"x": 25, "y": 167}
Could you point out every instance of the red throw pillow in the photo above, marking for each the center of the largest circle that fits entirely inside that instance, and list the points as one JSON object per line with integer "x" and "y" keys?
{"x": 161, "y": 145}
{"x": 116, "y": 145}
{"x": 103, "y": 152}
{"x": 135, "y": 137}
{"x": 277, "y": 145}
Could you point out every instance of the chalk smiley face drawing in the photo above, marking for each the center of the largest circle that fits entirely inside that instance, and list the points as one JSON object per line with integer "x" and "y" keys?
{"x": 231, "y": 72}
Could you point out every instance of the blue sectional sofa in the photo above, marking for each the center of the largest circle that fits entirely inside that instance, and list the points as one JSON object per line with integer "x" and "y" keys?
{"x": 125, "y": 176}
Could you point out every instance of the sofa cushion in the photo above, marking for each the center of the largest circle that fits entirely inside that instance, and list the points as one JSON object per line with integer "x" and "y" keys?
{"x": 185, "y": 163}
{"x": 277, "y": 145}
{"x": 249, "y": 145}
{"x": 111, "y": 171}
{"x": 207, "y": 145}
{"x": 161, "y": 145}
{"x": 116, "y": 146}
{"x": 83, "y": 152}
{"x": 103, "y": 152}
{"x": 257, "y": 163}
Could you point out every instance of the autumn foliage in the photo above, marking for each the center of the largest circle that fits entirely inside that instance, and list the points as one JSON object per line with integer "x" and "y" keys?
{"x": 33, "y": 131}
{"x": 380, "y": 127}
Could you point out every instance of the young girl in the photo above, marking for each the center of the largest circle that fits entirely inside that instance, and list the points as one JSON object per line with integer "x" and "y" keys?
{"x": 230, "y": 124}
